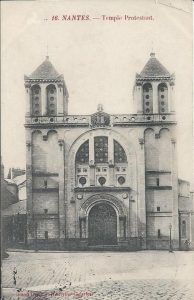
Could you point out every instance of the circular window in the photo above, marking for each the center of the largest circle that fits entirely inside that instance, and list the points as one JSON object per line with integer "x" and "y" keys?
{"x": 52, "y": 91}
{"x": 82, "y": 180}
{"x": 147, "y": 96}
{"x": 163, "y": 118}
{"x": 162, "y": 89}
{"x": 162, "y": 103}
{"x": 102, "y": 180}
{"x": 52, "y": 98}
{"x": 36, "y": 91}
{"x": 162, "y": 96}
{"x": 148, "y": 118}
{"x": 121, "y": 180}
{"x": 147, "y": 103}
{"x": 147, "y": 110}
{"x": 163, "y": 110}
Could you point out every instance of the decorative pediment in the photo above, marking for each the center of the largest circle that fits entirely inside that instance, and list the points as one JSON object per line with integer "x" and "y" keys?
{"x": 100, "y": 118}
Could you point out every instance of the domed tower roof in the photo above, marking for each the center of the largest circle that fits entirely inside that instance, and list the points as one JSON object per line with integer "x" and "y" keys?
{"x": 154, "y": 68}
{"x": 45, "y": 71}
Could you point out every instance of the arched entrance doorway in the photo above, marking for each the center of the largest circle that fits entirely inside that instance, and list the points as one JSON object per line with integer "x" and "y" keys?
{"x": 102, "y": 225}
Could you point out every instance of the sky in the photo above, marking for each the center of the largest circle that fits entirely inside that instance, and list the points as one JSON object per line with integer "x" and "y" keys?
{"x": 99, "y": 59}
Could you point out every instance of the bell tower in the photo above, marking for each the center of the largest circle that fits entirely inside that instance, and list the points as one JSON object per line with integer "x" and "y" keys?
{"x": 46, "y": 92}
{"x": 154, "y": 89}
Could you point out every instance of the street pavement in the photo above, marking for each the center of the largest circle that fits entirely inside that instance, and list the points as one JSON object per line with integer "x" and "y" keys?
{"x": 98, "y": 275}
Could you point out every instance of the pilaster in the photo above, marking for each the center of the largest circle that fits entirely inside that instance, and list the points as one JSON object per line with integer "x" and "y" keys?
{"x": 60, "y": 99}
{"x": 155, "y": 97}
{"x": 171, "y": 97}
{"x": 43, "y": 99}
{"x": 62, "y": 216}
{"x": 141, "y": 193}
{"x": 138, "y": 98}
{"x": 91, "y": 160}
{"x": 30, "y": 218}
{"x": 175, "y": 221}
{"x": 28, "y": 99}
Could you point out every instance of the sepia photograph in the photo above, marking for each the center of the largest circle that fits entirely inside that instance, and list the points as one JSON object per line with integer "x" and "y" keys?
{"x": 97, "y": 185}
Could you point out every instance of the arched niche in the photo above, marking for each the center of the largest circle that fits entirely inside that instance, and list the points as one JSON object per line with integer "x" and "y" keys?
{"x": 51, "y": 93}
{"x": 162, "y": 98}
{"x": 147, "y": 98}
{"x": 36, "y": 100}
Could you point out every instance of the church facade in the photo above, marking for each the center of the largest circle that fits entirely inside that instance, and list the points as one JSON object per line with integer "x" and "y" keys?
{"x": 103, "y": 181}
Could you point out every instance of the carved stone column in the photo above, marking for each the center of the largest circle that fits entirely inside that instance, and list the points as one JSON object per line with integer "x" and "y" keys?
{"x": 111, "y": 159}
{"x": 91, "y": 160}
{"x": 82, "y": 228}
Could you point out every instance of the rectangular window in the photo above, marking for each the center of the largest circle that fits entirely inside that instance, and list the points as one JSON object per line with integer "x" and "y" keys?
{"x": 157, "y": 181}
{"x": 46, "y": 235}
{"x": 159, "y": 233}
{"x": 101, "y": 149}
{"x": 183, "y": 227}
{"x": 45, "y": 184}
{"x": 158, "y": 208}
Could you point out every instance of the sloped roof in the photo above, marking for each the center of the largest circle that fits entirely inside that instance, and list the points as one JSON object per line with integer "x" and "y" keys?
{"x": 16, "y": 208}
{"x": 45, "y": 71}
{"x": 20, "y": 179}
{"x": 154, "y": 68}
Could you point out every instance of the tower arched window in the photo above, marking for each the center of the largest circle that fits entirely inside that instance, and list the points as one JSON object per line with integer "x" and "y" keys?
{"x": 162, "y": 98}
{"x": 51, "y": 100}
{"x": 147, "y": 98}
{"x": 36, "y": 100}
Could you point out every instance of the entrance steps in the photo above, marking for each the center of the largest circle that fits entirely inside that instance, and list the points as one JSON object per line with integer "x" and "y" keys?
{"x": 104, "y": 248}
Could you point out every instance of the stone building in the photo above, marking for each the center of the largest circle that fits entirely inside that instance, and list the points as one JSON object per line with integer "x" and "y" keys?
{"x": 102, "y": 181}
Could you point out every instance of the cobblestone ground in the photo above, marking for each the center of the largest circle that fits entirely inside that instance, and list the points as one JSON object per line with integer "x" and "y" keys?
{"x": 139, "y": 275}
